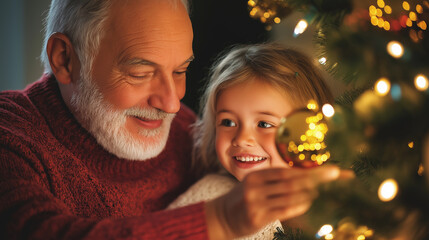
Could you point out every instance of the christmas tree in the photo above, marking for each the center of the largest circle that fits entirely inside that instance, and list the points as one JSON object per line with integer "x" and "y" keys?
{"x": 380, "y": 127}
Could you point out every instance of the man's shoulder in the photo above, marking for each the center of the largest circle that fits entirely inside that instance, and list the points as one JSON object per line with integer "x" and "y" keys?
{"x": 14, "y": 106}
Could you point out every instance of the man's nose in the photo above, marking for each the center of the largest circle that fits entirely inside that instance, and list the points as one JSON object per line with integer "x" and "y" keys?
{"x": 167, "y": 93}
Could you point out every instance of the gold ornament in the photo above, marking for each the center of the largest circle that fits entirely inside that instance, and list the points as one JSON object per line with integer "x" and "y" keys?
{"x": 300, "y": 138}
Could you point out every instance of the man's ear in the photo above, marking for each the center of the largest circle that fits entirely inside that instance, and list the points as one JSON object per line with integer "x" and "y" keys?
{"x": 60, "y": 54}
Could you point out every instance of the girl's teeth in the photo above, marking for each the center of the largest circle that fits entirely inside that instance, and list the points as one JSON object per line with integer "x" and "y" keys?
{"x": 249, "y": 159}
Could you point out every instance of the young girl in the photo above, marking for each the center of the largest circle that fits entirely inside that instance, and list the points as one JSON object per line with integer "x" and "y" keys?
{"x": 250, "y": 89}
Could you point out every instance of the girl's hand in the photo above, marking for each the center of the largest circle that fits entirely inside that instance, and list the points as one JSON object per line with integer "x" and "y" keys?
{"x": 264, "y": 196}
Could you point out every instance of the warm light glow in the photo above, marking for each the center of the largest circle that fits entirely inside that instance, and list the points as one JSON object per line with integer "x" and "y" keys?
{"x": 411, "y": 144}
{"x": 422, "y": 25}
{"x": 253, "y": 12}
{"x": 409, "y": 22}
{"x": 329, "y": 236}
{"x": 380, "y": 3}
{"x": 372, "y": 10}
{"x": 387, "y": 190}
{"x": 388, "y": 9}
{"x": 386, "y": 26}
{"x": 360, "y": 237}
{"x": 382, "y": 86}
{"x": 300, "y": 27}
{"x": 312, "y": 105}
{"x": 421, "y": 82}
{"x": 406, "y": 5}
{"x": 395, "y": 49}
{"x": 328, "y": 110}
{"x": 324, "y": 230}
{"x": 322, "y": 60}
{"x": 379, "y": 13}
{"x": 251, "y": 3}
{"x": 421, "y": 170}
{"x": 267, "y": 14}
{"x": 412, "y": 16}
{"x": 277, "y": 20}
{"x": 419, "y": 8}
{"x": 374, "y": 20}
{"x": 380, "y": 23}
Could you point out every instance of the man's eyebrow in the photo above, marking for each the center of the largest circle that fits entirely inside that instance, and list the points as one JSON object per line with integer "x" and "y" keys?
{"x": 190, "y": 59}
{"x": 137, "y": 61}
{"x": 140, "y": 61}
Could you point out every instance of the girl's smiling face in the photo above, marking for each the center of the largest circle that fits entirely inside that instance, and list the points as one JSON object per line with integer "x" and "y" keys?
{"x": 247, "y": 117}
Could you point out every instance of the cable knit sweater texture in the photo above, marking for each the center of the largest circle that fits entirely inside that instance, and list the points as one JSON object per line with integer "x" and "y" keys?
{"x": 212, "y": 186}
{"x": 56, "y": 182}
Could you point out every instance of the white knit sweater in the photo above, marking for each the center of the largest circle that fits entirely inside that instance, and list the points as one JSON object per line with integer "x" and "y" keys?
{"x": 215, "y": 185}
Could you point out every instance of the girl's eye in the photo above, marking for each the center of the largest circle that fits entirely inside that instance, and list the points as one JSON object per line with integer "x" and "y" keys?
{"x": 227, "y": 123}
{"x": 263, "y": 124}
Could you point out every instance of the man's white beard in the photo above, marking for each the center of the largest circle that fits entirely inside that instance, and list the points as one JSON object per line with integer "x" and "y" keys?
{"x": 107, "y": 125}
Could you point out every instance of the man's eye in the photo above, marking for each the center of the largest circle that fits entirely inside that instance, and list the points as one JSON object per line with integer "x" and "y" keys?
{"x": 263, "y": 124}
{"x": 141, "y": 75}
{"x": 181, "y": 72}
{"x": 227, "y": 123}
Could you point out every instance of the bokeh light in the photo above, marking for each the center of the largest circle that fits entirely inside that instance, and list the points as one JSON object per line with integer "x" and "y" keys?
{"x": 387, "y": 190}
{"x": 382, "y": 86}
{"x": 395, "y": 49}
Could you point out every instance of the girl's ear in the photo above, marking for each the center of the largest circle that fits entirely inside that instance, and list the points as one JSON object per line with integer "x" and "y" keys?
{"x": 60, "y": 54}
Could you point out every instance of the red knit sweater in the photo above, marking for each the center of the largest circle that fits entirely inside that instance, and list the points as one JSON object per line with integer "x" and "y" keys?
{"x": 56, "y": 182}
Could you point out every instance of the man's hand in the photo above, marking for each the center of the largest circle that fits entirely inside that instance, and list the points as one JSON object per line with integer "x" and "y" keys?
{"x": 264, "y": 196}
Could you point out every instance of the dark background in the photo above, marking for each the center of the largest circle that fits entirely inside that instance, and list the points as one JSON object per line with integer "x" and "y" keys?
{"x": 217, "y": 25}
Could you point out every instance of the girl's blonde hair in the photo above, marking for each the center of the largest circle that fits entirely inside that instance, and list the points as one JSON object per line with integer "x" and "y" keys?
{"x": 285, "y": 69}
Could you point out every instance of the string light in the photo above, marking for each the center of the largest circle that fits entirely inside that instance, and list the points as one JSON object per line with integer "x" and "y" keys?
{"x": 328, "y": 110}
{"x": 322, "y": 60}
{"x": 329, "y": 236}
{"x": 301, "y": 26}
{"x": 421, "y": 82}
{"x": 406, "y": 5}
{"x": 395, "y": 49}
{"x": 382, "y": 86}
{"x": 312, "y": 105}
{"x": 380, "y": 16}
{"x": 387, "y": 190}
{"x": 324, "y": 230}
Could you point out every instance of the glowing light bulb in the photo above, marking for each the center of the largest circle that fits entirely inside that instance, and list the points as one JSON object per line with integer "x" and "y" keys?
{"x": 406, "y": 5}
{"x": 388, "y": 9}
{"x": 395, "y": 49}
{"x": 322, "y": 60}
{"x": 300, "y": 27}
{"x": 387, "y": 190}
{"x": 421, "y": 82}
{"x": 328, "y": 110}
{"x": 360, "y": 237}
{"x": 382, "y": 86}
{"x": 324, "y": 230}
{"x": 312, "y": 105}
{"x": 277, "y": 20}
{"x": 329, "y": 236}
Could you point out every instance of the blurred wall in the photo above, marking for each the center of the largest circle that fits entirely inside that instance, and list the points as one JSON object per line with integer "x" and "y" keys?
{"x": 20, "y": 42}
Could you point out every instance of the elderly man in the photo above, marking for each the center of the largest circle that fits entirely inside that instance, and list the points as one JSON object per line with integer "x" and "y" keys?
{"x": 100, "y": 145}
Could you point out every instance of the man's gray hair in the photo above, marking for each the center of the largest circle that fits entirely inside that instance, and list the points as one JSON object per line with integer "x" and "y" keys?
{"x": 82, "y": 21}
